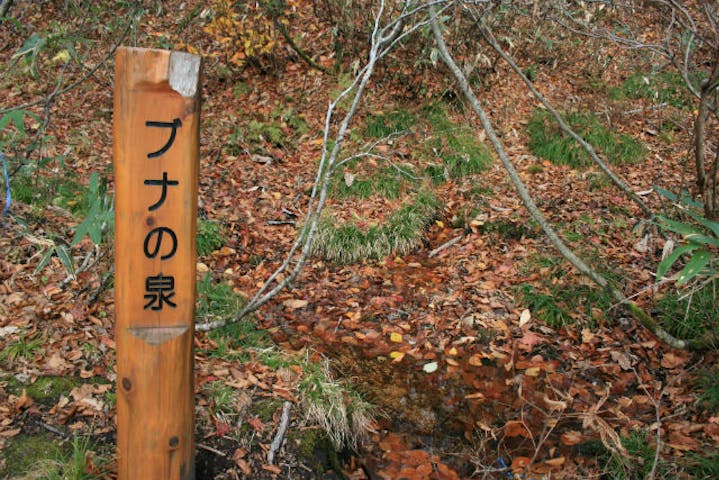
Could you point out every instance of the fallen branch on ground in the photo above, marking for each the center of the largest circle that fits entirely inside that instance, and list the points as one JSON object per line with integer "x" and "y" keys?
{"x": 281, "y": 430}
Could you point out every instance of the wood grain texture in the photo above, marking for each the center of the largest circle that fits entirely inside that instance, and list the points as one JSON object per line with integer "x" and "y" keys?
{"x": 154, "y": 323}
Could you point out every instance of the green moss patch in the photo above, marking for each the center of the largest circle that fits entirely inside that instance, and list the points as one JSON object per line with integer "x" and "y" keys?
{"x": 27, "y": 453}
{"x": 46, "y": 390}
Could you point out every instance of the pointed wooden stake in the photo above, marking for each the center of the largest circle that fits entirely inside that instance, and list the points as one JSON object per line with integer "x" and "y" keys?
{"x": 156, "y": 141}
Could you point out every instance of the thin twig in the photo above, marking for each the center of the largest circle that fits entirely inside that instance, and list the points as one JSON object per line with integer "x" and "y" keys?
{"x": 90, "y": 73}
{"x": 281, "y": 430}
{"x": 210, "y": 449}
{"x": 658, "y": 425}
{"x": 445, "y": 245}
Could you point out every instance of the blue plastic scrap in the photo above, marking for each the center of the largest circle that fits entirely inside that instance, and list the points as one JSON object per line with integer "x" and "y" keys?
{"x": 8, "y": 196}
{"x": 504, "y": 467}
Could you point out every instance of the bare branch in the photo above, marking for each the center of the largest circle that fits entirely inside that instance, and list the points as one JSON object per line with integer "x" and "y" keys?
{"x": 487, "y": 33}
{"x": 91, "y": 72}
{"x": 531, "y": 206}
{"x": 381, "y": 37}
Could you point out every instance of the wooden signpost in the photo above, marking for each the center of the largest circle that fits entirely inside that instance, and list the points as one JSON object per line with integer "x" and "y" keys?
{"x": 156, "y": 142}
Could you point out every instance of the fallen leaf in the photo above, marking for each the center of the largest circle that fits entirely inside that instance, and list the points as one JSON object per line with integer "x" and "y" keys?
{"x": 556, "y": 462}
{"x": 272, "y": 468}
{"x": 519, "y": 464}
{"x": 475, "y": 396}
{"x": 255, "y": 423}
{"x": 243, "y": 466}
{"x": 554, "y": 404}
{"x": 529, "y": 339}
{"x": 10, "y": 433}
{"x": 221, "y": 428}
{"x": 671, "y": 360}
{"x": 525, "y": 317}
{"x": 572, "y": 437}
{"x": 262, "y": 159}
{"x": 430, "y": 367}
{"x": 395, "y": 337}
{"x": 295, "y": 303}
{"x": 396, "y": 356}
{"x": 515, "y": 428}
{"x": 9, "y": 330}
{"x": 475, "y": 360}
{"x": 622, "y": 359}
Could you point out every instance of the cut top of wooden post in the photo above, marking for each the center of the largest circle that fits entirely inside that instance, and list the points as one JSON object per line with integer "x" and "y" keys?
{"x": 144, "y": 67}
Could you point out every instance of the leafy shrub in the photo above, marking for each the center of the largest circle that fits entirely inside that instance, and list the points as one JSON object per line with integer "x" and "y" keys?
{"x": 100, "y": 218}
{"x": 243, "y": 30}
{"x": 692, "y": 314}
{"x": 209, "y": 237}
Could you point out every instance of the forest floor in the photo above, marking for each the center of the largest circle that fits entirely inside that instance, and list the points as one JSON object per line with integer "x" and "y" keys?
{"x": 485, "y": 357}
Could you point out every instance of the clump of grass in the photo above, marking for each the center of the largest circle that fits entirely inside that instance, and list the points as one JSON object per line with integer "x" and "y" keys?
{"x": 708, "y": 387}
{"x": 703, "y": 465}
{"x": 548, "y": 141}
{"x": 265, "y": 131}
{"x": 403, "y": 230}
{"x": 509, "y": 230}
{"x": 385, "y": 124}
{"x": 23, "y": 348}
{"x": 386, "y": 183}
{"x": 41, "y": 457}
{"x": 535, "y": 169}
{"x": 222, "y": 396}
{"x": 209, "y": 237}
{"x": 217, "y": 301}
{"x": 690, "y": 316}
{"x": 558, "y": 302}
{"x": 637, "y": 463}
{"x": 544, "y": 306}
{"x": 342, "y": 413}
{"x": 460, "y": 151}
{"x": 660, "y": 87}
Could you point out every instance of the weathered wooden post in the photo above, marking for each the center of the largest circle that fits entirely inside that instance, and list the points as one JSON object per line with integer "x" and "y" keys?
{"x": 156, "y": 150}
